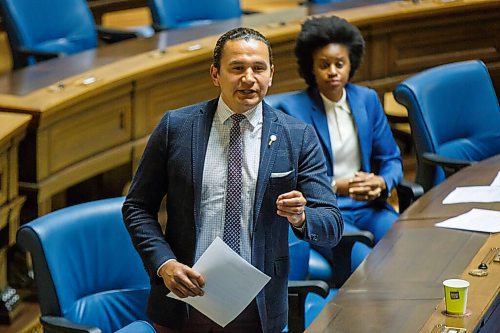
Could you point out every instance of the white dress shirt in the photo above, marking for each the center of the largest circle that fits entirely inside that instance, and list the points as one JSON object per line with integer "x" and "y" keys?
{"x": 343, "y": 137}
{"x": 213, "y": 193}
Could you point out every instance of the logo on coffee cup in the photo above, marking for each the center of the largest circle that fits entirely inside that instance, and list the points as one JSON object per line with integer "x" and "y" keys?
{"x": 454, "y": 295}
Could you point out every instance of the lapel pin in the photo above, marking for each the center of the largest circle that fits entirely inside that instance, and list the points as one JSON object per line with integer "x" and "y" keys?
{"x": 272, "y": 138}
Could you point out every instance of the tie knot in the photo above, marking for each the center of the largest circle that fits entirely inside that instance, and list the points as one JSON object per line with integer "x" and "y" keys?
{"x": 237, "y": 118}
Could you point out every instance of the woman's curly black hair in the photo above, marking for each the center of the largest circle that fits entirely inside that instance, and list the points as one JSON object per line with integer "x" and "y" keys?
{"x": 318, "y": 32}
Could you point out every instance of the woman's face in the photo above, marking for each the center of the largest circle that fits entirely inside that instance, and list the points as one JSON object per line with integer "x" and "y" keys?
{"x": 331, "y": 67}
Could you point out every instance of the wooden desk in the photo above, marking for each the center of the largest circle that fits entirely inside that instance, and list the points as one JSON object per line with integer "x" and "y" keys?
{"x": 82, "y": 130}
{"x": 12, "y": 130}
{"x": 398, "y": 288}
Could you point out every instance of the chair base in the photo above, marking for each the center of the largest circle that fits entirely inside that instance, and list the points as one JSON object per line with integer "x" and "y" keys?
{"x": 10, "y": 305}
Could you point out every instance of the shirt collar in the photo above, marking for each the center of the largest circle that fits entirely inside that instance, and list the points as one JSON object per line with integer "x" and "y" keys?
{"x": 341, "y": 104}
{"x": 254, "y": 115}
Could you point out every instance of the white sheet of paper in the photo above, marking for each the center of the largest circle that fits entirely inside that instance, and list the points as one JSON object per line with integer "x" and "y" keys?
{"x": 476, "y": 220}
{"x": 231, "y": 283}
{"x": 473, "y": 194}
{"x": 496, "y": 181}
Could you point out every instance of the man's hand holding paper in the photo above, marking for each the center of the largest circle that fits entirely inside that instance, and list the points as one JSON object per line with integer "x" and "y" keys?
{"x": 231, "y": 283}
{"x": 182, "y": 280}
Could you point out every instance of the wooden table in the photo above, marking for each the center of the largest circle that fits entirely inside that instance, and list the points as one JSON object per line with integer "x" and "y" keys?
{"x": 12, "y": 130}
{"x": 398, "y": 288}
{"x": 93, "y": 111}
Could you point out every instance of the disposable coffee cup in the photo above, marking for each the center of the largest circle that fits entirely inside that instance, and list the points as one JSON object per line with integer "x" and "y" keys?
{"x": 455, "y": 295}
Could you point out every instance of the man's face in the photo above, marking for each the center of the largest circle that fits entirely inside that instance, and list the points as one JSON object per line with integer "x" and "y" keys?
{"x": 245, "y": 74}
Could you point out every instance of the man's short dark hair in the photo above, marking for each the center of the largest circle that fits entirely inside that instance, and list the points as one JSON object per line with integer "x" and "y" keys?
{"x": 235, "y": 34}
{"x": 317, "y": 32}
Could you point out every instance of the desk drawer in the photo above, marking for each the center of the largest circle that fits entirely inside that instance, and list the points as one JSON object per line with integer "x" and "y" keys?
{"x": 92, "y": 130}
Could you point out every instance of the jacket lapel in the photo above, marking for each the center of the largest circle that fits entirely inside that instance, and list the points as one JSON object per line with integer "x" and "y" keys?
{"x": 320, "y": 122}
{"x": 360, "y": 116}
{"x": 268, "y": 153}
{"x": 202, "y": 125}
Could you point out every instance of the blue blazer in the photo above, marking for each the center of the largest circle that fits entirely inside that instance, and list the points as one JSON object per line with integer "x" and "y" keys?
{"x": 379, "y": 152}
{"x": 172, "y": 165}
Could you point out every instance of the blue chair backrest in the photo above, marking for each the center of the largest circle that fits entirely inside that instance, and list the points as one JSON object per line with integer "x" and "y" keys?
{"x": 453, "y": 111}
{"x": 61, "y": 26}
{"x": 172, "y": 14}
{"x": 86, "y": 267}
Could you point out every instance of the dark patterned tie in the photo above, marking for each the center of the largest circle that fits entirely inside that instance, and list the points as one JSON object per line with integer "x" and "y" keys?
{"x": 232, "y": 226}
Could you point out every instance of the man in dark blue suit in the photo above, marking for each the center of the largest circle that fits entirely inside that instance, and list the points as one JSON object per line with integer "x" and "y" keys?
{"x": 281, "y": 182}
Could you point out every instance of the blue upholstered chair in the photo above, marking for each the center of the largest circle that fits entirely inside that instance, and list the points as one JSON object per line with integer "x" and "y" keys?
{"x": 175, "y": 14}
{"x": 454, "y": 117}
{"x": 45, "y": 29}
{"x": 306, "y": 297}
{"x": 88, "y": 274}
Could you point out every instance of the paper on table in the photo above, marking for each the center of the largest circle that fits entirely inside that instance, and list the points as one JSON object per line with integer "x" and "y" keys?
{"x": 476, "y": 220}
{"x": 496, "y": 181}
{"x": 231, "y": 283}
{"x": 473, "y": 194}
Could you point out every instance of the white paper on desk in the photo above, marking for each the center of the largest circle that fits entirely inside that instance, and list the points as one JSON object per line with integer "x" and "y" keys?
{"x": 473, "y": 194}
{"x": 475, "y": 220}
{"x": 231, "y": 283}
{"x": 496, "y": 181}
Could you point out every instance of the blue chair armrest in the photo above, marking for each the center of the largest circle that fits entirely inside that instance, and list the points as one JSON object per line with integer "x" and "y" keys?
{"x": 408, "y": 192}
{"x": 362, "y": 236}
{"x": 297, "y": 293}
{"x": 37, "y": 54}
{"x": 449, "y": 165}
{"x": 342, "y": 254}
{"x": 110, "y": 35}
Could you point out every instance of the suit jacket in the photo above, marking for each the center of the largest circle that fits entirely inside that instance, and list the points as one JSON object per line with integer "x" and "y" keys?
{"x": 379, "y": 152}
{"x": 172, "y": 165}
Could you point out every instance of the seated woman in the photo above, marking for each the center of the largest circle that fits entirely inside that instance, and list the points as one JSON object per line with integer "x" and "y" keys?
{"x": 361, "y": 155}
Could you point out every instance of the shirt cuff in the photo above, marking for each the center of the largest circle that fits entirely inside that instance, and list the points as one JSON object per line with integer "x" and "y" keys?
{"x": 159, "y": 268}
{"x": 302, "y": 229}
